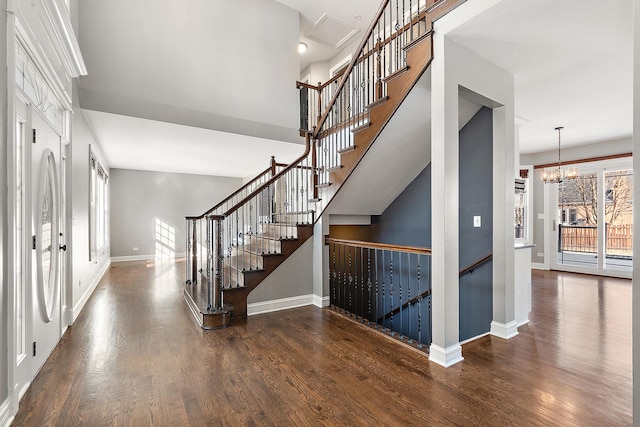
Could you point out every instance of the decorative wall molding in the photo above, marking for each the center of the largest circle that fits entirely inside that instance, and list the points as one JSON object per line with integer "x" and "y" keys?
{"x": 279, "y": 304}
{"x": 446, "y": 357}
{"x": 5, "y": 413}
{"x": 321, "y": 301}
{"x": 475, "y": 338}
{"x": 504, "y": 331}
{"x": 62, "y": 32}
{"x": 96, "y": 279}
{"x": 141, "y": 258}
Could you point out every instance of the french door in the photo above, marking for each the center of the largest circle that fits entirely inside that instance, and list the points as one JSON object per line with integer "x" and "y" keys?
{"x": 593, "y": 221}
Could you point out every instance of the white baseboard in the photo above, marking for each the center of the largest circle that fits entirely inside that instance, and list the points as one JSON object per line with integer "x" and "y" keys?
{"x": 321, "y": 302}
{"x": 143, "y": 258}
{"x": 6, "y": 417}
{"x": 524, "y": 322}
{"x": 504, "y": 331}
{"x": 279, "y": 304}
{"x": 132, "y": 258}
{"x": 96, "y": 279}
{"x": 474, "y": 338}
{"x": 446, "y": 357}
{"x": 538, "y": 266}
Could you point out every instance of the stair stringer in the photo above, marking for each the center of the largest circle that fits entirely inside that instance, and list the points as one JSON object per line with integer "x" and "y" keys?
{"x": 419, "y": 58}
{"x": 235, "y": 299}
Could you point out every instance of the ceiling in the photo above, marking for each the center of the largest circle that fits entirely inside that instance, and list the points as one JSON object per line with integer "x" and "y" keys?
{"x": 571, "y": 60}
{"x": 572, "y": 63}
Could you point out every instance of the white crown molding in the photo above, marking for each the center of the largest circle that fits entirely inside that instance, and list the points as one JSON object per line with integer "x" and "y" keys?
{"x": 57, "y": 14}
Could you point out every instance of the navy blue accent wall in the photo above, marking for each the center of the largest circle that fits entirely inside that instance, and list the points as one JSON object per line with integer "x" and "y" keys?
{"x": 407, "y": 221}
{"x": 476, "y": 199}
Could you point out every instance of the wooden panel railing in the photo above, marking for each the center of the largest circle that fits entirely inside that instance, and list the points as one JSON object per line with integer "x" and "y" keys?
{"x": 584, "y": 238}
{"x": 385, "y": 286}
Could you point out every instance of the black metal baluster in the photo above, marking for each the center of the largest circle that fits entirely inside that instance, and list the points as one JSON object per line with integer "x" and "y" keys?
{"x": 384, "y": 300}
{"x": 419, "y": 307}
{"x": 409, "y": 297}
{"x": 332, "y": 277}
{"x": 350, "y": 283}
{"x": 369, "y": 286}
{"x": 400, "y": 276}
{"x": 375, "y": 266}
{"x": 391, "y": 292}
{"x": 362, "y": 283}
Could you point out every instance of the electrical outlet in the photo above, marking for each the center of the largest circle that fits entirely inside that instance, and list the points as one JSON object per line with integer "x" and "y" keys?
{"x": 541, "y": 254}
{"x": 135, "y": 248}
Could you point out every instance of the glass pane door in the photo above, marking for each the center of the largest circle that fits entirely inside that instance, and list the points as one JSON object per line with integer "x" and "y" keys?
{"x": 619, "y": 219}
{"x": 578, "y": 222}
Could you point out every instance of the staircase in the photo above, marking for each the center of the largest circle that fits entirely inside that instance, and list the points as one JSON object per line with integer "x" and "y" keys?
{"x": 235, "y": 245}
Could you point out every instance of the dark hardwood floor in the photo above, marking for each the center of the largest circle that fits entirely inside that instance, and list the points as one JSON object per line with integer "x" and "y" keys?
{"x": 136, "y": 357}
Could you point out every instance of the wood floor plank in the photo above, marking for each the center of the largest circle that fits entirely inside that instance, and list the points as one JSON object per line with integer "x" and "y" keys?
{"x": 135, "y": 356}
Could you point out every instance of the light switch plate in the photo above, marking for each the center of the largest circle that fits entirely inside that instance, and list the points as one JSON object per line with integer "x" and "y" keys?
{"x": 477, "y": 221}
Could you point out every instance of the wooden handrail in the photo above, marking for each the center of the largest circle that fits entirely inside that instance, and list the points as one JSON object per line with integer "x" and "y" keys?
{"x": 349, "y": 68}
{"x": 405, "y": 305}
{"x": 383, "y": 246}
{"x": 274, "y": 178}
{"x": 231, "y": 196}
{"x": 471, "y": 267}
{"x": 433, "y": 11}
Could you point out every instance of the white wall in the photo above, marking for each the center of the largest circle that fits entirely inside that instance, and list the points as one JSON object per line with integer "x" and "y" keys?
{"x": 140, "y": 198}
{"x": 201, "y": 56}
{"x": 636, "y": 212}
{"x": 5, "y": 281}
{"x": 86, "y": 273}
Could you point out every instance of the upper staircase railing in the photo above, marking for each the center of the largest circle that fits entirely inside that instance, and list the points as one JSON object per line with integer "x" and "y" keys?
{"x": 237, "y": 236}
{"x": 335, "y": 110}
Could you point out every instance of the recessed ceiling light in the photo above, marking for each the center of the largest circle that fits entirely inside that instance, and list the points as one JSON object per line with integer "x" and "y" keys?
{"x": 302, "y": 47}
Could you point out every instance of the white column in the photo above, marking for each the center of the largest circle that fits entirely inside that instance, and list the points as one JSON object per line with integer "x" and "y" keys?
{"x": 504, "y": 323}
{"x": 445, "y": 347}
{"x": 320, "y": 263}
{"x": 636, "y": 212}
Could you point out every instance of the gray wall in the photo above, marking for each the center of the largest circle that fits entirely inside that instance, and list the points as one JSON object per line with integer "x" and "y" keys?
{"x": 138, "y": 198}
{"x": 476, "y": 198}
{"x": 292, "y": 278}
{"x": 407, "y": 220}
{"x": 85, "y": 273}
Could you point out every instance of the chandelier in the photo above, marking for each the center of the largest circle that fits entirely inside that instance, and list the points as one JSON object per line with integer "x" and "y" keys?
{"x": 555, "y": 176}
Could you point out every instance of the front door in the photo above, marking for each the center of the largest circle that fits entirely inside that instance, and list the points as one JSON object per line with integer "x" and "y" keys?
{"x": 45, "y": 228}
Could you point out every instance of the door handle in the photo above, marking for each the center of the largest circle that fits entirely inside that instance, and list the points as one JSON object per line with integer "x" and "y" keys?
{"x": 63, "y": 247}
